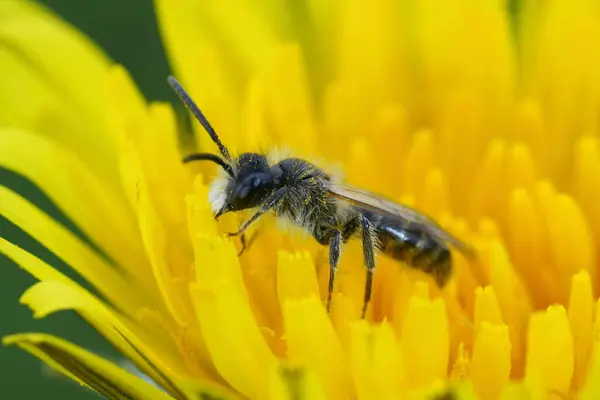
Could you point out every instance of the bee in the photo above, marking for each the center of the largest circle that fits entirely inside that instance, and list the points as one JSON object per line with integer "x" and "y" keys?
{"x": 333, "y": 213}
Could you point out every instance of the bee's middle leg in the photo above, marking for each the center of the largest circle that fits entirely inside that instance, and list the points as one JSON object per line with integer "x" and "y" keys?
{"x": 369, "y": 256}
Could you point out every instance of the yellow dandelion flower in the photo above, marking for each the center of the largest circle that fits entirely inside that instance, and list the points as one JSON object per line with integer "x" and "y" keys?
{"x": 485, "y": 121}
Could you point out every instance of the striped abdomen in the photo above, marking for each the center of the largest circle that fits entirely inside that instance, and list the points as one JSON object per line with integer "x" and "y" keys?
{"x": 409, "y": 243}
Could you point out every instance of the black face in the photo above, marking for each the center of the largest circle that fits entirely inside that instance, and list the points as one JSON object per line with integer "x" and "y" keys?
{"x": 253, "y": 182}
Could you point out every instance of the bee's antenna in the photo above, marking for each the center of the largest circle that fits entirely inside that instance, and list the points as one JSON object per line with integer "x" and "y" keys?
{"x": 187, "y": 100}
{"x": 210, "y": 157}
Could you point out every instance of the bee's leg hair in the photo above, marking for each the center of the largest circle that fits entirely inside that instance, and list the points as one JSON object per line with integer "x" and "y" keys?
{"x": 334, "y": 256}
{"x": 369, "y": 256}
{"x": 266, "y": 206}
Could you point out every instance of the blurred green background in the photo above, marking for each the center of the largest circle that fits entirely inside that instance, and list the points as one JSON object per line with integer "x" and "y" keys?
{"x": 127, "y": 31}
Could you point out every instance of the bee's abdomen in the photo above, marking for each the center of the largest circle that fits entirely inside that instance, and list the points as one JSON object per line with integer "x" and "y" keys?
{"x": 416, "y": 248}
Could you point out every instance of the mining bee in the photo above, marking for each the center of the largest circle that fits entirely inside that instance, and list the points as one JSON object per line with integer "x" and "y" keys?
{"x": 333, "y": 213}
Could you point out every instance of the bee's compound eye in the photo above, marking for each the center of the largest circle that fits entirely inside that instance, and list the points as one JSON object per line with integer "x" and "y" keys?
{"x": 243, "y": 192}
{"x": 251, "y": 191}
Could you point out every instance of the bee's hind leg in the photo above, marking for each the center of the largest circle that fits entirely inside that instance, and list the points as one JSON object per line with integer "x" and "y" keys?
{"x": 369, "y": 256}
{"x": 334, "y": 256}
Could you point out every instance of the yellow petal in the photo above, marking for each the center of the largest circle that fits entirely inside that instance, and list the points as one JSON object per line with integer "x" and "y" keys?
{"x": 462, "y": 116}
{"x": 159, "y": 354}
{"x": 441, "y": 390}
{"x": 176, "y": 301}
{"x": 343, "y": 313}
{"x": 254, "y": 120}
{"x": 491, "y": 363}
{"x": 141, "y": 185}
{"x": 591, "y": 388}
{"x": 554, "y": 70}
{"x": 436, "y": 194}
{"x": 377, "y": 73}
{"x": 228, "y": 327}
{"x": 289, "y": 108}
{"x": 581, "y": 317}
{"x": 312, "y": 343}
{"x": 180, "y": 30}
{"x": 167, "y": 179}
{"x": 376, "y": 360}
{"x": 586, "y": 180}
{"x": 126, "y": 113}
{"x": 101, "y": 213}
{"x": 483, "y": 200}
{"x": 569, "y": 238}
{"x": 520, "y": 167}
{"x": 461, "y": 365}
{"x": 67, "y": 246}
{"x": 245, "y": 29}
{"x": 166, "y": 142}
{"x": 486, "y": 307}
{"x": 361, "y": 169}
{"x": 296, "y": 277}
{"x": 61, "y": 99}
{"x": 528, "y": 244}
{"x": 163, "y": 354}
{"x": 529, "y": 389}
{"x": 421, "y": 157}
{"x": 338, "y": 118}
{"x": 529, "y": 127}
{"x": 390, "y": 130}
{"x": 441, "y": 47}
{"x": 550, "y": 349}
{"x": 425, "y": 341}
{"x": 289, "y": 383}
{"x": 200, "y": 216}
{"x": 193, "y": 47}
{"x": 151, "y": 132}
{"x": 90, "y": 370}
{"x": 58, "y": 292}
{"x": 226, "y": 319}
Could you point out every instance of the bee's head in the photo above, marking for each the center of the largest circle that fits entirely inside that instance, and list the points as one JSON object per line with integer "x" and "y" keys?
{"x": 249, "y": 186}
{"x": 248, "y": 179}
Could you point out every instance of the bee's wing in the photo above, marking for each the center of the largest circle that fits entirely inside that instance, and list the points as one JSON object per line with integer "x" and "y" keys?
{"x": 376, "y": 203}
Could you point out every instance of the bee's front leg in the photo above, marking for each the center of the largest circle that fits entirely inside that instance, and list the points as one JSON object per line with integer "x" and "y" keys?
{"x": 265, "y": 207}
{"x": 246, "y": 244}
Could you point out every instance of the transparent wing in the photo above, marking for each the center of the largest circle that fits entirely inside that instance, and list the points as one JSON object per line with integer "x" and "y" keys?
{"x": 376, "y": 203}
